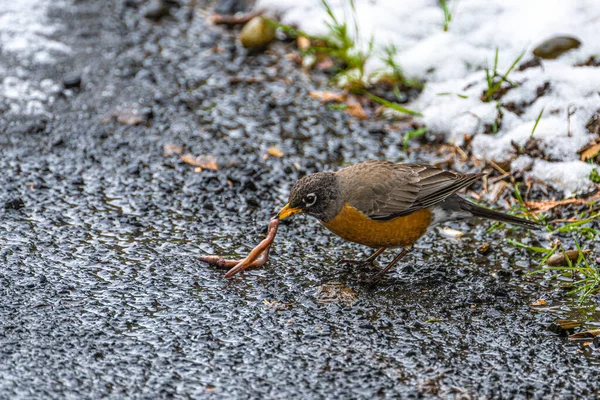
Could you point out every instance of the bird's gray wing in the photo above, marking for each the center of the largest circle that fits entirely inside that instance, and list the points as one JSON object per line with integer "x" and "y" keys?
{"x": 383, "y": 190}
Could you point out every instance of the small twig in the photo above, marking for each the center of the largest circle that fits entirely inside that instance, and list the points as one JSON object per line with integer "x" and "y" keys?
{"x": 245, "y": 79}
{"x": 497, "y": 167}
{"x": 541, "y": 206}
{"x": 462, "y": 153}
{"x": 499, "y": 178}
{"x": 569, "y": 113}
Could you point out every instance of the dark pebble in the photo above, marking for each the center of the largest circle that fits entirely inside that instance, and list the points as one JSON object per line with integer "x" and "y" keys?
{"x": 157, "y": 10}
{"x": 14, "y": 204}
{"x": 230, "y": 7}
{"x": 72, "y": 81}
{"x": 556, "y": 46}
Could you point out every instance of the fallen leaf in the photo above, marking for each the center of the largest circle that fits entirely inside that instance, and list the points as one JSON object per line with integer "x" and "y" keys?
{"x": 327, "y": 97}
{"x": 206, "y": 162}
{"x": 303, "y": 42}
{"x": 326, "y": 63}
{"x": 585, "y": 335}
{"x": 130, "y": 115}
{"x": 539, "y": 302}
{"x": 335, "y": 292}
{"x": 356, "y": 110}
{"x": 567, "y": 323}
{"x": 275, "y": 152}
{"x": 170, "y": 149}
{"x": 590, "y": 152}
{"x": 484, "y": 249}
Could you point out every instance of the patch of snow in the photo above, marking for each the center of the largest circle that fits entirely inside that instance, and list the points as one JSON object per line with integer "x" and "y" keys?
{"x": 25, "y": 41}
{"x": 452, "y": 63}
{"x": 570, "y": 176}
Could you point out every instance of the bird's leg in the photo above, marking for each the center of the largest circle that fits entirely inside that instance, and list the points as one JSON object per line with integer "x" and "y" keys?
{"x": 377, "y": 277}
{"x": 368, "y": 262}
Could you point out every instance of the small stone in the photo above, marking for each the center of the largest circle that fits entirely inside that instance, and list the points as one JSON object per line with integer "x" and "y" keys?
{"x": 230, "y": 7}
{"x": 257, "y": 34}
{"x": 554, "y": 47}
{"x": 14, "y": 204}
{"x": 157, "y": 10}
{"x": 593, "y": 124}
{"x": 72, "y": 81}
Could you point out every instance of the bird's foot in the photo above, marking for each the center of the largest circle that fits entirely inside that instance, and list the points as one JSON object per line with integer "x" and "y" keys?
{"x": 374, "y": 279}
{"x": 366, "y": 264}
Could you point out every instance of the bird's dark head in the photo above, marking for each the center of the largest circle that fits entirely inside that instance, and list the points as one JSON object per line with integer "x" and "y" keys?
{"x": 317, "y": 195}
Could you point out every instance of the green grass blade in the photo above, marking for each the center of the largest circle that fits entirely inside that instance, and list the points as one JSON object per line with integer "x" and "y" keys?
{"x": 393, "y": 106}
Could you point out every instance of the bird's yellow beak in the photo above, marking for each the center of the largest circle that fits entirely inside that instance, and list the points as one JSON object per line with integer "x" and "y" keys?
{"x": 288, "y": 211}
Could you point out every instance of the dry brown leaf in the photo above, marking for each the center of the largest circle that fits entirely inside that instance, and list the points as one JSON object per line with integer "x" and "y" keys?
{"x": 206, "y": 162}
{"x": 335, "y": 292}
{"x": 590, "y": 152}
{"x": 484, "y": 249}
{"x": 326, "y": 63}
{"x": 327, "y": 97}
{"x": 567, "y": 323}
{"x": 353, "y": 107}
{"x": 275, "y": 152}
{"x": 128, "y": 115}
{"x": 170, "y": 149}
{"x": 539, "y": 302}
{"x": 585, "y": 335}
{"x": 356, "y": 110}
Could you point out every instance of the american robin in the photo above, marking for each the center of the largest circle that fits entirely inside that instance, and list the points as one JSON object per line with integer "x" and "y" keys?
{"x": 384, "y": 205}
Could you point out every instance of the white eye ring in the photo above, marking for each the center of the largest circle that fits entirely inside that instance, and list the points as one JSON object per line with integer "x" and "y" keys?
{"x": 310, "y": 199}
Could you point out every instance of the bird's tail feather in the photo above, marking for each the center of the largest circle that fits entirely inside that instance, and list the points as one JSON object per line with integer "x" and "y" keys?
{"x": 483, "y": 212}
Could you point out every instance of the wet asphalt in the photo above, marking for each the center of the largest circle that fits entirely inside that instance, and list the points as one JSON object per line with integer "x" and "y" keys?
{"x": 101, "y": 292}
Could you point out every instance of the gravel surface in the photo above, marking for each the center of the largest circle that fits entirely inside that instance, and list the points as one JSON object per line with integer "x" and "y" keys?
{"x": 101, "y": 292}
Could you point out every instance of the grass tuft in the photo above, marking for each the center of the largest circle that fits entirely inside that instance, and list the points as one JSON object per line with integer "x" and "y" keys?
{"x": 447, "y": 14}
{"x": 595, "y": 176}
{"x": 584, "y": 271}
{"x": 537, "y": 121}
{"x": 396, "y": 75}
{"x": 393, "y": 106}
{"x": 495, "y": 79}
{"x": 411, "y": 135}
{"x": 341, "y": 44}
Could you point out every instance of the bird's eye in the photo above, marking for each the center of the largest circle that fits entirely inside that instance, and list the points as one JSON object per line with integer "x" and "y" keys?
{"x": 310, "y": 199}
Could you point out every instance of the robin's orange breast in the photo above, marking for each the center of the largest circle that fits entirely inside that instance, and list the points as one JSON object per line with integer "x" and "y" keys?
{"x": 354, "y": 226}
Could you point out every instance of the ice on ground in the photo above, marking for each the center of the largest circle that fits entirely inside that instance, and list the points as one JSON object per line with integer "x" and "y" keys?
{"x": 452, "y": 63}
{"x": 25, "y": 41}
